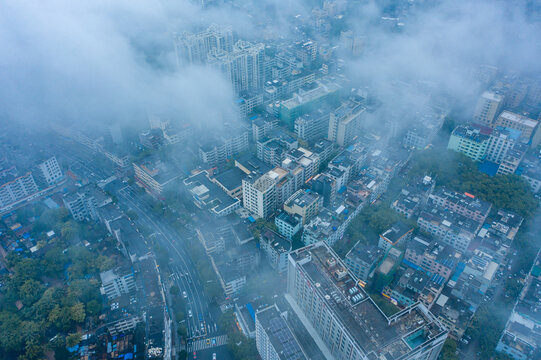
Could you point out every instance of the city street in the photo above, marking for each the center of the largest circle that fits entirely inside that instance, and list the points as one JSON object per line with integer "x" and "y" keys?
{"x": 201, "y": 316}
{"x": 202, "y": 324}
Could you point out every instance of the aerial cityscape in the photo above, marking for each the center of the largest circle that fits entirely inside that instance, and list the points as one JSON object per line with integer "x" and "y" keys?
{"x": 270, "y": 179}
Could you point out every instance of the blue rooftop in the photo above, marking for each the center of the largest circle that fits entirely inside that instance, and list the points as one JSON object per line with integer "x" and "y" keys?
{"x": 488, "y": 168}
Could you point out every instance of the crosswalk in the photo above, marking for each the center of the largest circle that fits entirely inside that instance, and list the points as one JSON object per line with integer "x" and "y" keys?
{"x": 202, "y": 344}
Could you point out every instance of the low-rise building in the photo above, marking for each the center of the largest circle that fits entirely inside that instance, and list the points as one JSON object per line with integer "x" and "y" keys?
{"x": 431, "y": 257}
{"x": 465, "y": 204}
{"x": 449, "y": 227}
{"x": 453, "y": 313}
{"x": 413, "y": 197}
{"x": 288, "y": 224}
{"x": 410, "y": 286}
{"x": 207, "y": 195}
{"x": 363, "y": 259}
{"x": 304, "y": 203}
{"x": 276, "y": 248}
{"x": 117, "y": 282}
{"x": 307, "y": 159}
{"x": 230, "y": 181}
{"x": 154, "y": 176}
{"x": 399, "y": 233}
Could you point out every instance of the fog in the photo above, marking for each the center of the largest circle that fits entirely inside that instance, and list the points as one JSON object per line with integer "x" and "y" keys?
{"x": 102, "y": 62}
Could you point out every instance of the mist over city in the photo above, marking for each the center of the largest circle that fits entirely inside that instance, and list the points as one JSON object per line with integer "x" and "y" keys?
{"x": 295, "y": 180}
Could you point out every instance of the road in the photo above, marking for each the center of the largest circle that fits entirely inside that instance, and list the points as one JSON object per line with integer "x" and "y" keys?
{"x": 201, "y": 316}
{"x": 201, "y": 325}
{"x": 497, "y": 293}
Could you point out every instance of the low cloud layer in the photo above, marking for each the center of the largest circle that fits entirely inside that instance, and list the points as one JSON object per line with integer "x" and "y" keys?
{"x": 444, "y": 43}
{"x": 100, "y": 61}
{"x": 113, "y": 61}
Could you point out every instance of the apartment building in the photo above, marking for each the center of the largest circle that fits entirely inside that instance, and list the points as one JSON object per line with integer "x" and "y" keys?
{"x": 346, "y": 319}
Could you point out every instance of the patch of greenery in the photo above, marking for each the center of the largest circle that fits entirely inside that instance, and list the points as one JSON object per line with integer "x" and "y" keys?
{"x": 241, "y": 347}
{"x": 458, "y": 172}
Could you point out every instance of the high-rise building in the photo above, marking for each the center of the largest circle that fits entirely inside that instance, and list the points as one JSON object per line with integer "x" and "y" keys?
{"x": 304, "y": 203}
{"x": 82, "y": 205}
{"x": 15, "y": 187}
{"x": 501, "y": 140}
{"x": 194, "y": 48}
{"x": 274, "y": 338}
{"x": 313, "y": 125}
{"x": 217, "y": 150}
{"x": 259, "y": 195}
{"x": 487, "y": 108}
{"x": 244, "y": 65}
{"x": 525, "y": 125}
{"x": 344, "y": 122}
{"x": 470, "y": 140}
{"x": 348, "y": 322}
{"x": 51, "y": 171}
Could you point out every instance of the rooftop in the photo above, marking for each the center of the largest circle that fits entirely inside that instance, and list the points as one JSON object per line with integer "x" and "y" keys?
{"x": 279, "y": 243}
{"x": 279, "y": 333}
{"x": 396, "y": 232}
{"x": 377, "y": 335}
{"x": 292, "y": 219}
{"x": 302, "y": 198}
{"x": 466, "y": 200}
{"x": 365, "y": 253}
{"x": 508, "y": 115}
{"x": 207, "y": 193}
{"x": 450, "y": 219}
{"x": 471, "y": 132}
{"x": 230, "y": 178}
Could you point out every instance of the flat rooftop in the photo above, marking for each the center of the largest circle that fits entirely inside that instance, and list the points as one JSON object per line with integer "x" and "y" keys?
{"x": 280, "y": 335}
{"x": 374, "y": 333}
{"x": 231, "y": 178}
{"x": 302, "y": 198}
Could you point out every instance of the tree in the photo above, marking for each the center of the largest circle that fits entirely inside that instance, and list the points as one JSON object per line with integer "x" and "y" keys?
{"x": 181, "y": 330}
{"x": 54, "y": 261}
{"x": 448, "y": 351}
{"x": 69, "y": 230}
{"x": 24, "y": 269}
{"x": 30, "y": 291}
{"x": 77, "y": 312}
{"x": 9, "y": 335}
{"x": 73, "y": 339}
{"x": 104, "y": 263}
{"x": 174, "y": 290}
{"x": 93, "y": 307}
{"x": 33, "y": 350}
{"x": 29, "y": 331}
